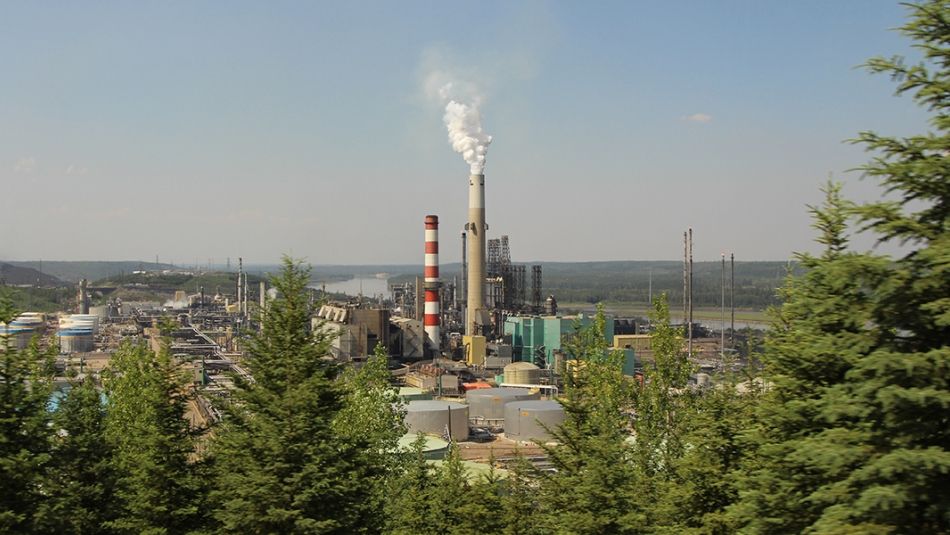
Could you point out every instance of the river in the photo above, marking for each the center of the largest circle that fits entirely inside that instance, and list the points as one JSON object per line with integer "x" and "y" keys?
{"x": 368, "y": 286}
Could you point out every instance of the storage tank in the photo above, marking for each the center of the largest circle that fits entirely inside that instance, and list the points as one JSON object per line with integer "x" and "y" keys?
{"x": 434, "y": 417}
{"x": 81, "y": 321}
{"x": 17, "y": 336}
{"x": 434, "y": 448}
{"x": 524, "y": 419}
{"x": 101, "y": 311}
{"x": 409, "y": 393}
{"x": 489, "y": 403}
{"x": 522, "y": 373}
{"x": 75, "y": 340}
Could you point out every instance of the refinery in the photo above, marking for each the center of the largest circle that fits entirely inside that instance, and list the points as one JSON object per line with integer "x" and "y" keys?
{"x": 479, "y": 360}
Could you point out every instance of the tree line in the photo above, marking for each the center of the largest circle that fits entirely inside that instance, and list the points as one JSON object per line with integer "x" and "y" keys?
{"x": 845, "y": 431}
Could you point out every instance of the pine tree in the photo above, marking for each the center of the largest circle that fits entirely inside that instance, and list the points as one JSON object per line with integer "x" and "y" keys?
{"x": 282, "y": 466}
{"x": 158, "y": 490}
{"x": 25, "y": 388}
{"x": 81, "y": 478}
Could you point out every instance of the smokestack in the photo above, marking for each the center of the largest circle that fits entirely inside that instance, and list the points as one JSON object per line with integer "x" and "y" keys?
{"x": 431, "y": 274}
{"x": 83, "y": 297}
{"x": 476, "y": 228}
{"x": 240, "y": 285}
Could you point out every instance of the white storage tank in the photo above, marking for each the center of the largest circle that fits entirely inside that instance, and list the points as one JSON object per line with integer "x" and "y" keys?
{"x": 489, "y": 403}
{"x": 75, "y": 340}
{"x": 522, "y": 373}
{"x": 81, "y": 321}
{"x": 435, "y": 417}
{"x": 524, "y": 419}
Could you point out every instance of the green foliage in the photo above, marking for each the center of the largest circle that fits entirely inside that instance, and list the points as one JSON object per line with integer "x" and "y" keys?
{"x": 281, "y": 465}
{"x": 594, "y": 487}
{"x": 444, "y": 500}
{"x": 158, "y": 490}
{"x": 80, "y": 479}
{"x": 372, "y": 407}
{"x": 25, "y": 388}
{"x": 854, "y": 435}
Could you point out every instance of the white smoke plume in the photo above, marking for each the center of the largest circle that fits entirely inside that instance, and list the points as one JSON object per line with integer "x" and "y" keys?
{"x": 464, "y": 123}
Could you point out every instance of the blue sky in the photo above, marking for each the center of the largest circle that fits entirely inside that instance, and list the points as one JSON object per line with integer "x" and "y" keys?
{"x": 198, "y": 130}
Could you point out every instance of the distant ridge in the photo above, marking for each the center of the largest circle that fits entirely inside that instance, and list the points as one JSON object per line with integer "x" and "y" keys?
{"x": 75, "y": 271}
{"x": 19, "y": 275}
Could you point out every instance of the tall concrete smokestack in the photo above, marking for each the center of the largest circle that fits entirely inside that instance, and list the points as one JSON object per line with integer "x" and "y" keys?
{"x": 431, "y": 320}
{"x": 476, "y": 252}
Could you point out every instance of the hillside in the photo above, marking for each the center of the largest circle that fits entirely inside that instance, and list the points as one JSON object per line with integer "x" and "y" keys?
{"x": 75, "y": 271}
{"x": 19, "y": 276}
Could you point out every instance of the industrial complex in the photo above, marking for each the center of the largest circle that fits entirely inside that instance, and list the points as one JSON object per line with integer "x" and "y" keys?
{"x": 479, "y": 361}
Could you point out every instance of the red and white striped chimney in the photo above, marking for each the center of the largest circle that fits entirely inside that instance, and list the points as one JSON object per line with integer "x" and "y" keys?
{"x": 432, "y": 313}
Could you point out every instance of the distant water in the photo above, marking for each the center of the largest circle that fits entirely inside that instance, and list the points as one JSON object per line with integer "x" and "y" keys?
{"x": 369, "y": 286}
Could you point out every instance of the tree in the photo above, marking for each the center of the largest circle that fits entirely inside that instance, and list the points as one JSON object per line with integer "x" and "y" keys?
{"x": 594, "y": 487}
{"x": 80, "y": 480}
{"x": 281, "y": 465}
{"x": 855, "y": 434}
{"x": 25, "y": 388}
{"x": 158, "y": 489}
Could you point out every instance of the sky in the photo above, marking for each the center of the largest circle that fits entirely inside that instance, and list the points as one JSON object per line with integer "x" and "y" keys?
{"x": 198, "y": 131}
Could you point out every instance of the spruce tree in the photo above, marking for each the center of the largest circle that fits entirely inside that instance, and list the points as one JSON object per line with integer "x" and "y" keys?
{"x": 282, "y": 466}
{"x": 25, "y": 388}
{"x": 855, "y": 433}
{"x": 408, "y": 510}
{"x": 158, "y": 489}
{"x": 592, "y": 489}
{"x": 81, "y": 477}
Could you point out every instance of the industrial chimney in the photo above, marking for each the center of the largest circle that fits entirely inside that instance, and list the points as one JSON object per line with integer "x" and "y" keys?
{"x": 476, "y": 252}
{"x": 431, "y": 320}
{"x": 83, "y": 298}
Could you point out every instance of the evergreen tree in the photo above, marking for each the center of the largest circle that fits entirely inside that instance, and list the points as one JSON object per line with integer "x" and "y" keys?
{"x": 81, "y": 478}
{"x": 282, "y": 466}
{"x": 158, "y": 489}
{"x": 855, "y": 434}
{"x": 373, "y": 413}
{"x": 25, "y": 388}
{"x": 408, "y": 509}
{"x": 593, "y": 489}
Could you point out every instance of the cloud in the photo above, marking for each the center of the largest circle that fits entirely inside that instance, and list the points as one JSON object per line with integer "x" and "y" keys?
{"x": 75, "y": 170}
{"x": 698, "y": 118}
{"x": 25, "y": 165}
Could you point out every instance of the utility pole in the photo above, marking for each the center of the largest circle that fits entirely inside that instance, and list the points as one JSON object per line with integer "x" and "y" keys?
{"x": 689, "y": 346}
{"x": 732, "y": 300}
{"x": 651, "y": 288}
{"x": 722, "y": 307}
{"x": 685, "y": 283}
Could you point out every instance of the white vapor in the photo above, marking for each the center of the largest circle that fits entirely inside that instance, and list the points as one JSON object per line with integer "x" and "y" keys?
{"x": 464, "y": 123}
{"x": 25, "y": 165}
{"x": 698, "y": 118}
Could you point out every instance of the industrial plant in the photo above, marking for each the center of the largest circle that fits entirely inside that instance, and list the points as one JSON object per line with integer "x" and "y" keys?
{"x": 479, "y": 360}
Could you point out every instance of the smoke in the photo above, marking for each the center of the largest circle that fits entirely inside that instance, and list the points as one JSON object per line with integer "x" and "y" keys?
{"x": 464, "y": 123}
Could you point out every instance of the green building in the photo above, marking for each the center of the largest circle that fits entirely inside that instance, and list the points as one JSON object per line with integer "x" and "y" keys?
{"x": 528, "y": 333}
